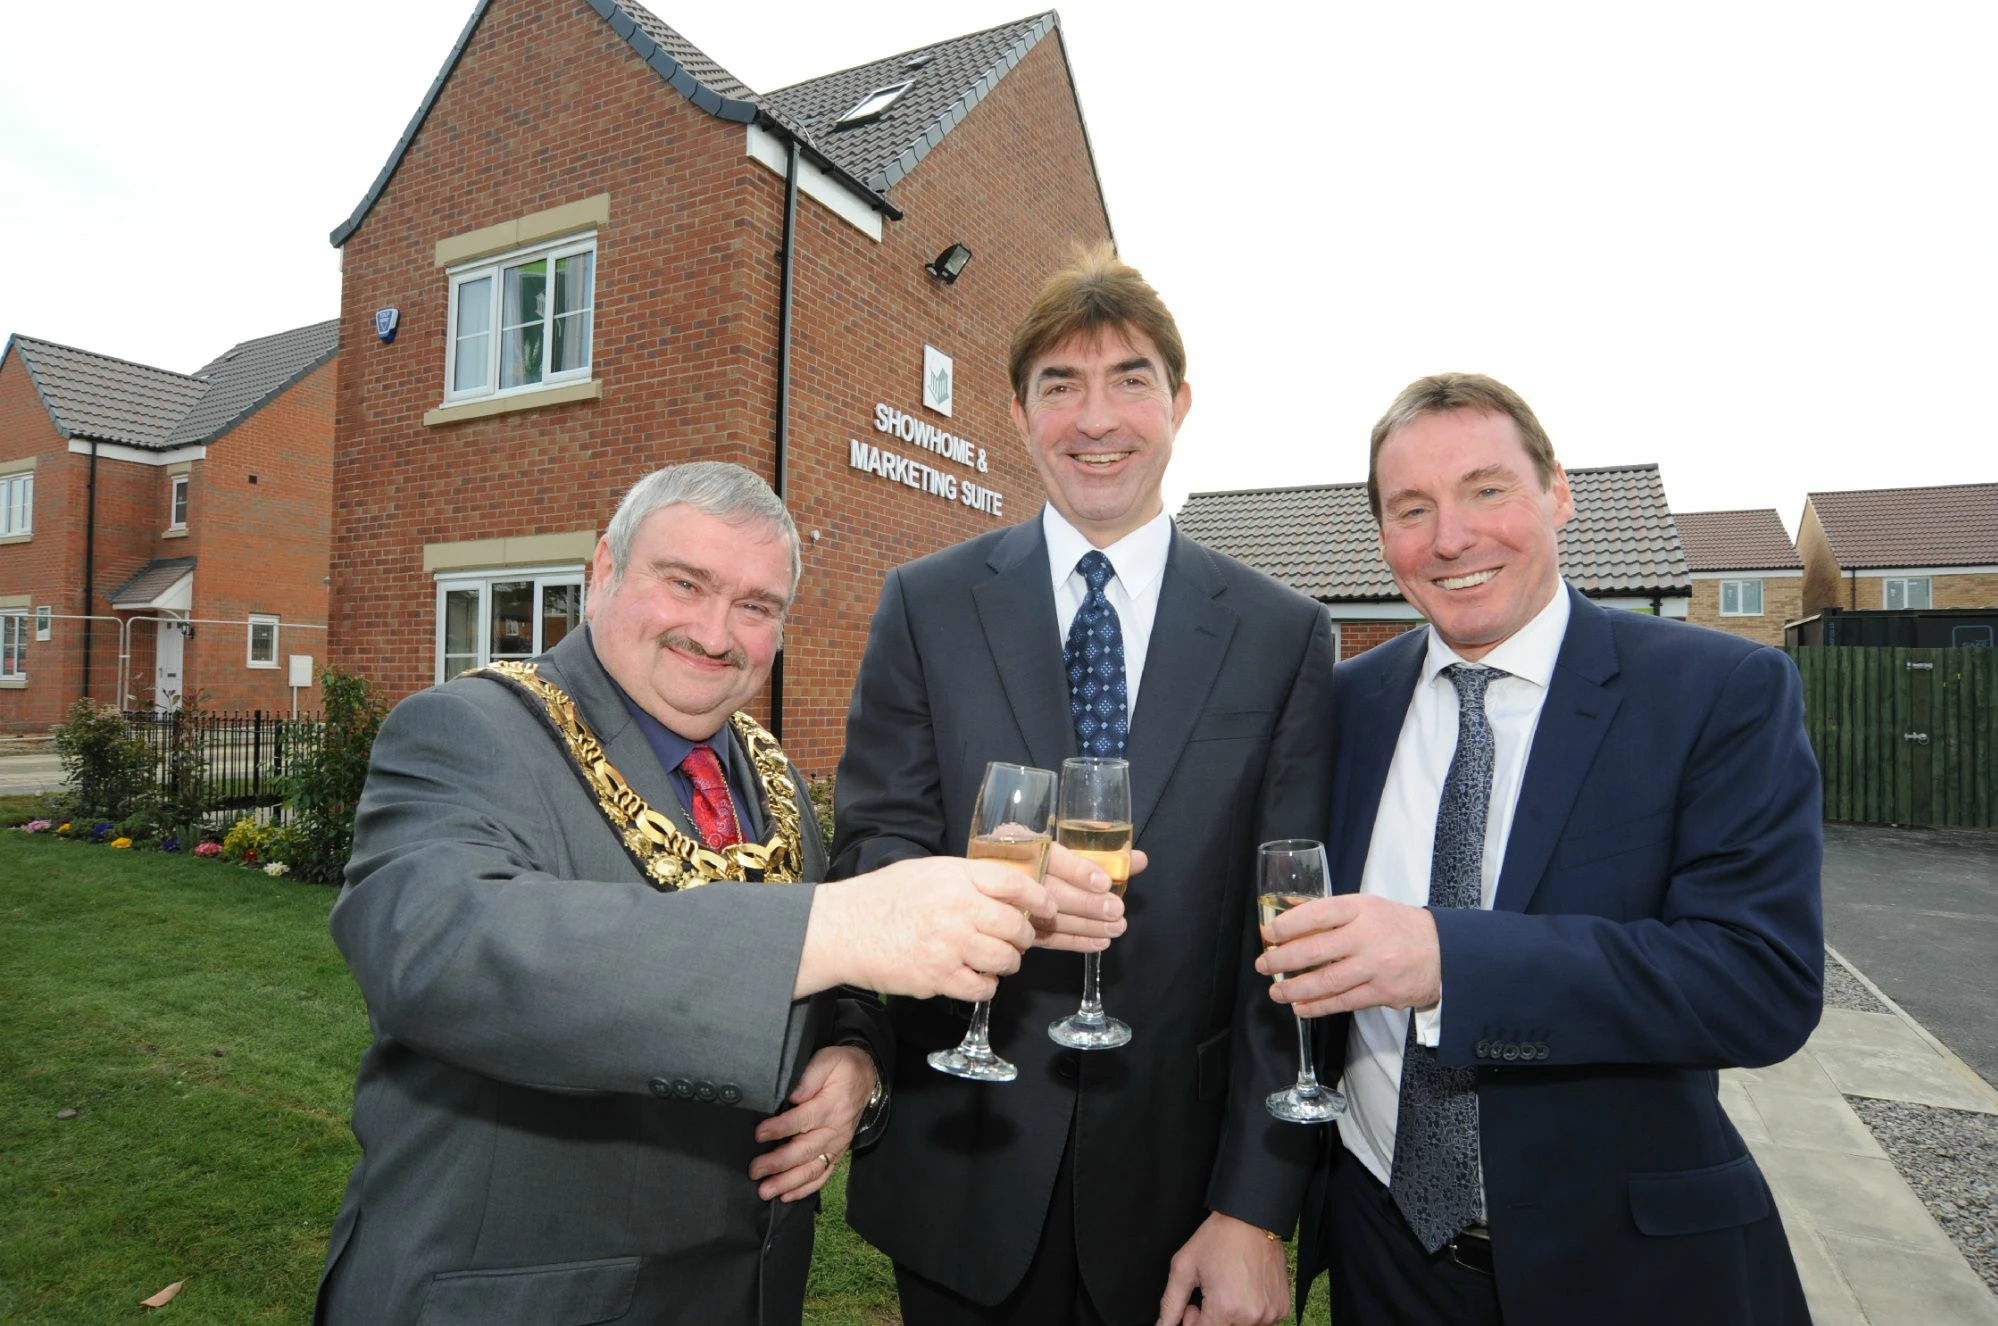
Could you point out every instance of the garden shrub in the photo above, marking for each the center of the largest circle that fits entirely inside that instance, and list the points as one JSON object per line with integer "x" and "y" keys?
{"x": 324, "y": 785}
{"x": 109, "y": 771}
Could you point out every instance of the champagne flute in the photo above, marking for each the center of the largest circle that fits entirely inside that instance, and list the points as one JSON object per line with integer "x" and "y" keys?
{"x": 1095, "y": 822}
{"x": 1013, "y": 823}
{"x": 1289, "y": 872}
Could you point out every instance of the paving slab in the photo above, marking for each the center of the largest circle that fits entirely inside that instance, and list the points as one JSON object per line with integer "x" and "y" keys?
{"x": 1811, "y": 1121}
{"x": 1896, "y": 1286}
{"x": 1832, "y": 1301}
{"x": 1856, "y": 1195}
{"x": 1880, "y": 1055}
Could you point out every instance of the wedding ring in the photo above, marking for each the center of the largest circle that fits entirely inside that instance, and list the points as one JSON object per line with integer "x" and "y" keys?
{"x": 827, "y": 1159}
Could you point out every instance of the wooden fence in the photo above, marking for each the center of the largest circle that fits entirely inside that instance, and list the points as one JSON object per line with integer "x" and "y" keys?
{"x": 1904, "y": 736}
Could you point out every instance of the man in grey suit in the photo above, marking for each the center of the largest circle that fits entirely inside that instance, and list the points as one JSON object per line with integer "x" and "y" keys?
{"x": 609, "y": 1062}
{"x": 1100, "y": 1187}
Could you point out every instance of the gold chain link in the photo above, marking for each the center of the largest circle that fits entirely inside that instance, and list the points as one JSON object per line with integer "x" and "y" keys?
{"x": 671, "y": 859}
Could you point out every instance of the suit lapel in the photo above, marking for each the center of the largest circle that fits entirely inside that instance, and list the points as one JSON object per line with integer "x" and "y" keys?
{"x": 1573, "y": 722}
{"x": 574, "y": 661}
{"x": 1190, "y": 635}
{"x": 1017, "y": 613}
{"x": 1369, "y": 733}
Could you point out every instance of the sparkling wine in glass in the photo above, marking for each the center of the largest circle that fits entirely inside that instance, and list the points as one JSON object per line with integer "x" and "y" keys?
{"x": 1094, "y": 821}
{"x": 1291, "y": 872}
{"x": 1013, "y": 823}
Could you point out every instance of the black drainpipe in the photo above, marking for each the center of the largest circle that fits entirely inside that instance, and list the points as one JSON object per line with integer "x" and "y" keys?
{"x": 90, "y": 570}
{"x": 1852, "y": 579}
{"x": 784, "y": 402}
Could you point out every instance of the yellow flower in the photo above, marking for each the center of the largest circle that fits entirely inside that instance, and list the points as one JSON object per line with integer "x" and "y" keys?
{"x": 121, "y": 842}
{"x": 64, "y": 827}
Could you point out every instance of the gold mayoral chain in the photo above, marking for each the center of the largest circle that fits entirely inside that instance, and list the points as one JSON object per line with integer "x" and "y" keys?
{"x": 671, "y": 859}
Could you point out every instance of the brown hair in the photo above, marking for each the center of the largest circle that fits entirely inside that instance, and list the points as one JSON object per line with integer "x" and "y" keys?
{"x": 1098, "y": 291}
{"x": 1441, "y": 393}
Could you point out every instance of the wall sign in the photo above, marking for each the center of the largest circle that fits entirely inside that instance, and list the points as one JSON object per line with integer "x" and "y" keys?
{"x": 922, "y": 477}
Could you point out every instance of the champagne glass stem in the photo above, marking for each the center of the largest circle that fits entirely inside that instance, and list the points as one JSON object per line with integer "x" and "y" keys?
{"x": 976, "y": 1040}
{"x": 1092, "y": 999}
{"x": 1307, "y": 1067}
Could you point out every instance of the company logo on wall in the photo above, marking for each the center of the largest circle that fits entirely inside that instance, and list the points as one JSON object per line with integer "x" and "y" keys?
{"x": 936, "y": 380}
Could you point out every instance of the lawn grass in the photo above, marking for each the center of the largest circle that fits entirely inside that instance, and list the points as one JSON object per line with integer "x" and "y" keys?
{"x": 122, "y": 974}
{"x": 18, "y": 808}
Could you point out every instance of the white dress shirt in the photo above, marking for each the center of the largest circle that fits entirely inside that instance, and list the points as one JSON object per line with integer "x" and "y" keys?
{"x": 1398, "y": 855}
{"x": 1138, "y": 559}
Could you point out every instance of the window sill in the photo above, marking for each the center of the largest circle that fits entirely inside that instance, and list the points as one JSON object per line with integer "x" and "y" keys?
{"x": 13, "y": 683}
{"x": 530, "y": 400}
{"x": 174, "y": 532}
{"x": 17, "y": 538}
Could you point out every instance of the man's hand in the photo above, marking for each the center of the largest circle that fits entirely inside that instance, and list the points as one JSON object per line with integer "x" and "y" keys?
{"x": 1088, "y": 914}
{"x": 825, "y": 1109}
{"x": 1239, "y": 1271}
{"x": 936, "y": 925}
{"x": 1367, "y": 952}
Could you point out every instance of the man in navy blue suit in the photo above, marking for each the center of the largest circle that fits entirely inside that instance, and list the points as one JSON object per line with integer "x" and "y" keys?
{"x": 1576, "y": 857}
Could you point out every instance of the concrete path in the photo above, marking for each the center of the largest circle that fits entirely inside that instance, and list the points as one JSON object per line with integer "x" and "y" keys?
{"x": 30, "y": 773}
{"x": 1869, "y": 1252}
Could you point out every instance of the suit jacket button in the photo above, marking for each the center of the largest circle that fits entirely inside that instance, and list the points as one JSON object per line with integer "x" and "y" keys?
{"x": 1540, "y": 1050}
{"x": 731, "y": 1094}
{"x": 1510, "y": 1052}
{"x": 1483, "y": 1050}
{"x": 683, "y": 1088}
{"x": 661, "y": 1087}
{"x": 704, "y": 1091}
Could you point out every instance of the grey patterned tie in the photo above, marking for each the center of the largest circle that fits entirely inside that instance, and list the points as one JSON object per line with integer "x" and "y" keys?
{"x": 1435, "y": 1179}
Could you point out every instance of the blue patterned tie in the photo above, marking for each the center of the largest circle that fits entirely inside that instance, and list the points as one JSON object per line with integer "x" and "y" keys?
{"x": 1436, "y": 1180}
{"x": 1094, "y": 657}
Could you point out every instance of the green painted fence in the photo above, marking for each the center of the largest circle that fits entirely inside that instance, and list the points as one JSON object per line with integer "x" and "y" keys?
{"x": 1904, "y": 736}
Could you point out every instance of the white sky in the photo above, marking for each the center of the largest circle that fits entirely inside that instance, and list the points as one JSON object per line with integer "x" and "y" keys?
{"x": 1753, "y": 242}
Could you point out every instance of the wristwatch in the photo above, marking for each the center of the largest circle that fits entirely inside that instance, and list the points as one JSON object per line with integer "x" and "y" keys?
{"x": 871, "y": 1113}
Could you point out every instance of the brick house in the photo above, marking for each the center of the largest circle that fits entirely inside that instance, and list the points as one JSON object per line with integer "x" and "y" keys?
{"x": 1621, "y": 549}
{"x": 583, "y": 234}
{"x": 1747, "y": 577}
{"x": 1900, "y": 549}
{"x": 161, "y": 533}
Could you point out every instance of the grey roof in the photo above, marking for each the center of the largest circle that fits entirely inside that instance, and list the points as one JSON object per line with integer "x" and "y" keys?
{"x": 243, "y": 379}
{"x": 89, "y": 395}
{"x": 1322, "y": 541}
{"x": 1737, "y": 541}
{"x": 954, "y": 77}
{"x": 152, "y": 580}
{"x": 872, "y": 157}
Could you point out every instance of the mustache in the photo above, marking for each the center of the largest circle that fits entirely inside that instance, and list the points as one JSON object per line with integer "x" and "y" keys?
{"x": 686, "y": 644}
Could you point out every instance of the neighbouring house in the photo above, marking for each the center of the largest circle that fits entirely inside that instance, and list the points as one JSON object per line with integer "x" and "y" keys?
{"x": 595, "y": 252}
{"x": 1747, "y": 577}
{"x": 1900, "y": 549}
{"x": 163, "y": 534}
{"x": 1621, "y": 549}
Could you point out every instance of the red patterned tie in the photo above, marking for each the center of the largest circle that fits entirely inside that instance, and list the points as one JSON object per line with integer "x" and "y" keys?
{"x": 714, "y": 809}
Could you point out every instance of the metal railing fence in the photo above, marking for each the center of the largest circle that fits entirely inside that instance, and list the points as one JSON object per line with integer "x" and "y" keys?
{"x": 243, "y": 757}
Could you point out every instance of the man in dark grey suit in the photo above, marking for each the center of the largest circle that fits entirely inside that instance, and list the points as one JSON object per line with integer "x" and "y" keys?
{"x": 1100, "y": 1187}
{"x": 598, "y": 1092}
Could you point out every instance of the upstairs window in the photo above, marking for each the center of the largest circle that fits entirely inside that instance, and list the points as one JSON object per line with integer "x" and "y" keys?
{"x": 177, "y": 502}
{"x": 1741, "y": 598}
{"x": 17, "y": 503}
{"x": 521, "y": 322}
{"x": 1905, "y": 593}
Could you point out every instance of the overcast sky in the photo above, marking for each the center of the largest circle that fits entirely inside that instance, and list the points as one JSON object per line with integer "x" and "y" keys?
{"x": 1751, "y": 242}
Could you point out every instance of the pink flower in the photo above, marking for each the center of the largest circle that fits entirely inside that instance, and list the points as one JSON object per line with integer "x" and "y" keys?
{"x": 209, "y": 849}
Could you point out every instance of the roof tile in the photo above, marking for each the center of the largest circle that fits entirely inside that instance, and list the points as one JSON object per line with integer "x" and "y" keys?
{"x": 1737, "y": 541}
{"x": 113, "y": 400}
{"x": 1956, "y": 525}
{"x": 1321, "y": 540}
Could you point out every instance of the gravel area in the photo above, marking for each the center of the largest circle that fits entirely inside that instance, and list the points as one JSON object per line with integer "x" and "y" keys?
{"x": 1950, "y": 1159}
{"x": 1843, "y": 990}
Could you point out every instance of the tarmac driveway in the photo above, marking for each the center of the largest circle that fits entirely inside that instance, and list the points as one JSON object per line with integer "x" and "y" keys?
{"x": 1917, "y": 911}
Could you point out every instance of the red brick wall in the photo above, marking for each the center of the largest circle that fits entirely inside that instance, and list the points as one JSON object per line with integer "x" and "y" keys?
{"x": 263, "y": 546}
{"x": 1358, "y": 637}
{"x": 42, "y": 567}
{"x": 686, "y": 335}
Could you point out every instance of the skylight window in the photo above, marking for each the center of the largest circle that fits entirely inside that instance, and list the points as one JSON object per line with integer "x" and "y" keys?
{"x": 874, "y": 105}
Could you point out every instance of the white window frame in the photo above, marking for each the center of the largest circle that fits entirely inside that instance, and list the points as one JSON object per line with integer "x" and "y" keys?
{"x": 17, "y": 503}
{"x": 1740, "y": 588}
{"x": 495, "y": 268}
{"x": 177, "y": 490}
{"x": 571, "y": 573}
{"x": 1906, "y": 584}
{"x": 14, "y": 645}
{"x": 263, "y": 619}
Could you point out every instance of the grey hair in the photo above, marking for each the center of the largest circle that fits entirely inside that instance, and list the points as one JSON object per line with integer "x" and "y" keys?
{"x": 726, "y": 491}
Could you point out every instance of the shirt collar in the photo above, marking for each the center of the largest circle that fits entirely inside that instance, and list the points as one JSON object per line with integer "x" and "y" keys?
{"x": 1139, "y": 557}
{"x": 1529, "y": 653}
{"x": 668, "y": 745}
